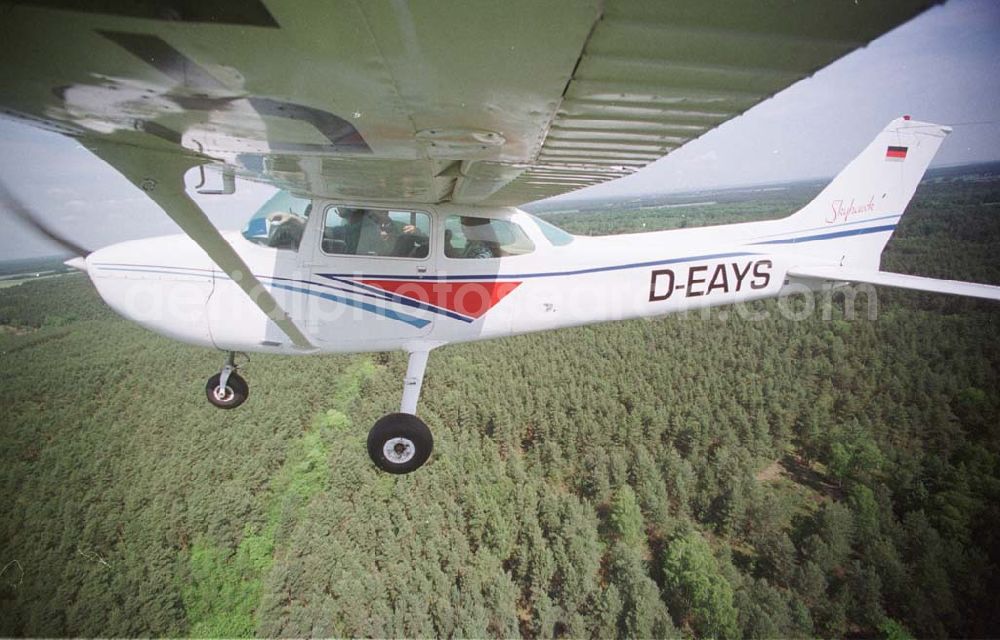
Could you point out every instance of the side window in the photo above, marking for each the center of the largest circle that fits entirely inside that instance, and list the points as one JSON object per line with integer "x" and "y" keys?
{"x": 469, "y": 237}
{"x": 355, "y": 231}
{"x": 280, "y": 222}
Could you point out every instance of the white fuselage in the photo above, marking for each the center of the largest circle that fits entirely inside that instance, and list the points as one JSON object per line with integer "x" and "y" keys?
{"x": 350, "y": 303}
{"x": 371, "y": 303}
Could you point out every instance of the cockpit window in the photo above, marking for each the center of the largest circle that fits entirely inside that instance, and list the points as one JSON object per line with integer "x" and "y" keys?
{"x": 280, "y": 222}
{"x": 469, "y": 237}
{"x": 357, "y": 231}
{"x": 552, "y": 233}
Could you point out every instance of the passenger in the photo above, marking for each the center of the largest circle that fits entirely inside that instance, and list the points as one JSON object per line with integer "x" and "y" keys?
{"x": 450, "y": 250}
{"x": 344, "y": 237}
{"x": 383, "y": 236}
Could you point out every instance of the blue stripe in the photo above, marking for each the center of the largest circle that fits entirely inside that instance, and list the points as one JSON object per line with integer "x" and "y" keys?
{"x": 325, "y": 286}
{"x": 382, "y": 311}
{"x": 828, "y": 236}
{"x": 403, "y": 300}
{"x": 139, "y": 267}
{"x": 378, "y": 294}
{"x": 163, "y": 270}
{"x": 833, "y": 226}
{"x": 548, "y": 274}
{"x": 388, "y": 313}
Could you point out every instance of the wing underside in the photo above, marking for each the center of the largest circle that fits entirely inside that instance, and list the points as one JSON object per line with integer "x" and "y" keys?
{"x": 471, "y": 102}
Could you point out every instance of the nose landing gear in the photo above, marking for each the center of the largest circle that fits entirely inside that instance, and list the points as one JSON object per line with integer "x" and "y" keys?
{"x": 227, "y": 389}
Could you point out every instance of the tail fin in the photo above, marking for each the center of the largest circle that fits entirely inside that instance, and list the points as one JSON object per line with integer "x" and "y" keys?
{"x": 852, "y": 219}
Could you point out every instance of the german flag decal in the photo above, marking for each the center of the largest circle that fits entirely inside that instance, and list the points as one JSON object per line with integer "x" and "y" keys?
{"x": 895, "y": 153}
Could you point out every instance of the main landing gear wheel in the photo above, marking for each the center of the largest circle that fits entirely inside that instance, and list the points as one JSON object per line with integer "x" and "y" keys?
{"x": 230, "y": 396}
{"x": 400, "y": 443}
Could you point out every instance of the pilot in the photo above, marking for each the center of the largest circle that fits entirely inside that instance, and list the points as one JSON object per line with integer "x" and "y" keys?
{"x": 480, "y": 240}
{"x": 285, "y": 229}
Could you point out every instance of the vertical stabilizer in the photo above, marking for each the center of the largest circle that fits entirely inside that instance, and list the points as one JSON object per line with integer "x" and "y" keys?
{"x": 851, "y": 220}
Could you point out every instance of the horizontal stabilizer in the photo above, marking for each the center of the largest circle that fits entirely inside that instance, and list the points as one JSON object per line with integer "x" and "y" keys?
{"x": 78, "y": 263}
{"x": 884, "y": 278}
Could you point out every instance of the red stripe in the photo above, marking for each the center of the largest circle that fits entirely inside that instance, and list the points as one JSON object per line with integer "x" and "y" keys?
{"x": 895, "y": 153}
{"x": 467, "y": 298}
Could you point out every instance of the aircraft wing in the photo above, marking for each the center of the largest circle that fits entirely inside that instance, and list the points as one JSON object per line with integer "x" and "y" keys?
{"x": 471, "y": 101}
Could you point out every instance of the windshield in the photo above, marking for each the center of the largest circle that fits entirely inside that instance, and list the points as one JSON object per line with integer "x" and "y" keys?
{"x": 552, "y": 233}
{"x": 280, "y": 222}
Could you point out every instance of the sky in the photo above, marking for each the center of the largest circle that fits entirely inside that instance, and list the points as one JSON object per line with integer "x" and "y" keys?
{"x": 943, "y": 67}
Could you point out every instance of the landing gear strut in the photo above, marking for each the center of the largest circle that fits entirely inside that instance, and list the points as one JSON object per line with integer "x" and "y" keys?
{"x": 227, "y": 389}
{"x": 401, "y": 442}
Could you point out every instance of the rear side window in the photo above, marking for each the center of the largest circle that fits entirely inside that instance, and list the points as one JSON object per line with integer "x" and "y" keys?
{"x": 391, "y": 233}
{"x": 467, "y": 237}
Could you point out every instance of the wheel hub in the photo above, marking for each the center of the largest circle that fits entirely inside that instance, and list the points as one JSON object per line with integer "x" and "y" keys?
{"x": 399, "y": 450}
{"x": 223, "y": 394}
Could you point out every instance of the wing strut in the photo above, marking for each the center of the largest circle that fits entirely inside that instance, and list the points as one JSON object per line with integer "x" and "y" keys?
{"x": 161, "y": 175}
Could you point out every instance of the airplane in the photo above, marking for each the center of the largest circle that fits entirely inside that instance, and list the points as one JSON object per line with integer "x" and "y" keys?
{"x": 402, "y": 138}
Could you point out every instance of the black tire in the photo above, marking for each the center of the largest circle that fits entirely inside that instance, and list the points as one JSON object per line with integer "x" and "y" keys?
{"x": 236, "y": 394}
{"x": 413, "y": 445}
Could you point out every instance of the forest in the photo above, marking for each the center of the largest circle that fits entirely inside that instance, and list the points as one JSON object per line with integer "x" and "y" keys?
{"x": 699, "y": 475}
